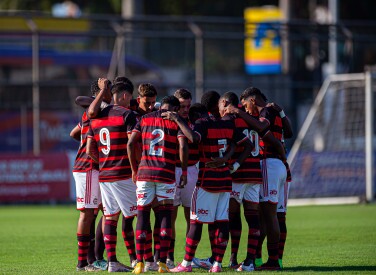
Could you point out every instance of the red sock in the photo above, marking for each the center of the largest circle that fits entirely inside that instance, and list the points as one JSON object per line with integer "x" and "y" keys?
{"x": 148, "y": 249}
{"x": 110, "y": 237}
{"x": 142, "y": 229}
{"x": 273, "y": 251}
{"x": 128, "y": 236}
{"x": 83, "y": 246}
{"x": 192, "y": 240}
{"x": 252, "y": 219}
{"x": 235, "y": 233}
{"x": 221, "y": 240}
{"x": 165, "y": 212}
{"x": 171, "y": 250}
{"x": 283, "y": 234}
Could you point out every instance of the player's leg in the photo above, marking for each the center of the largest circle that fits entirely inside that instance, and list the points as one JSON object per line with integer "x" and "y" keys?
{"x": 200, "y": 207}
{"x": 165, "y": 195}
{"x": 127, "y": 200}
{"x": 87, "y": 202}
{"x": 281, "y": 214}
{"x": 145, "y": 195}
{"x": 113, "y": 195}
{"x": 269, "y": 194}
{"x": 251, "y": 214}
{"x": 235, "y": 222}
{"x": 222, "y": 234}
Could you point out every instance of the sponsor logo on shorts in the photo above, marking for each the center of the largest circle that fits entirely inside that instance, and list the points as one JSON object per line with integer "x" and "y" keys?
{"x": 202, "y": 212}
{"x": 133, "y": 208}
{"x": 141, "y": 196}
{"x": 235, "y": 194}
{"x": 80, "y": 199}
{"x": 273, "y": 192}
{"x": 170, "y": 191}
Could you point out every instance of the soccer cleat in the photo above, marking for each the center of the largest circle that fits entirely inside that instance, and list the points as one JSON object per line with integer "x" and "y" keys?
{"x": 133, "y": 263}
{"x": 258, "y": 262}
{"x": 88, "y": 268}
{"x": 163, "y": 268}
{"x": 151, "y": 266}
{"x": 215, "y": 269}
{"x": 139, "y": 268}
{"x": 118, "y": 267}
{"x": 269, "y": 265}
{"x": 245, "y": 268}
{"x": 170, "y": 264}
{"x": 102, "y": 264}
{"x": 181, "y": 268}
{"x": 203, "y": 263}
{"x": 280, "y": 263}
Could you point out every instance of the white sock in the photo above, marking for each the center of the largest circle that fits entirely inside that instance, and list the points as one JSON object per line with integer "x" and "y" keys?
{"x": 186, "y": 263}
{"x": 217, "y": 264}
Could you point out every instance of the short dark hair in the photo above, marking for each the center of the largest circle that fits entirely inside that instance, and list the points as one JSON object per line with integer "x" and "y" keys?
{"x": 125, "y": 80}
{"x": 147, "y": 89}
{"x": 210, "y": 100}
{"x": 121, "y": 87}
{"x": 196, "y": 111}
{"x": 252, "y": 91}
{"x": 170, "y": 100}
{"x": 231, "y": 98}
{"x": 94, "y": 88}
{"x": 183, "y": 93}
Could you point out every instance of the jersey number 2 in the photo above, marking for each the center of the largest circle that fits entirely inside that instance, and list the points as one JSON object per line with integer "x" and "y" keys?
{"x": 160, "y": 135}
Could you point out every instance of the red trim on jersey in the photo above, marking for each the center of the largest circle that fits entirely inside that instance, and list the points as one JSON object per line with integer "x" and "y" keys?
{"x": 106, "y": 122}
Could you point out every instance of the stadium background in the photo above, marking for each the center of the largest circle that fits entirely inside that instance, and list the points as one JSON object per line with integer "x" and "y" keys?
{"x": 48, "y": 57}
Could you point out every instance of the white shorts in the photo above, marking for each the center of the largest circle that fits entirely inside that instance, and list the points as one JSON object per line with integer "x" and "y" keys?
{"x": 207, "y": 207}
{"x": 119, "y": 196}
{"x": 147, "y": 190}
{"x": 283, "y": 197}
{"x": 249, "y": 192}
{"x": 183, "y": 196}
{"x": 274, "y": 176}
{"x": 88, "y": 194}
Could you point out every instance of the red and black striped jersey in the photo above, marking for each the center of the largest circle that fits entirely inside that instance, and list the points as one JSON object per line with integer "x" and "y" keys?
{"x": 110, "y": 130}
{"x": 159, "y": 148}
{"x": 215, "y": 136}
{"x": 250, "y": 170}
{"x": 275, "y": 127}
{"x": 83, "y": 162}
{"x": 192, "y": 151}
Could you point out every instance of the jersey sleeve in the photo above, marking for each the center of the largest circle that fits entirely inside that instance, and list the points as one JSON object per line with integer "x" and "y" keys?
{"x": 130, "y": 121}
{"x": 265, "y": 115}
{"x": 200, "y": 129}
{"x": 90, "y": 133}
{"x": 238, "y": 136}
{"x": 137, "y": 127}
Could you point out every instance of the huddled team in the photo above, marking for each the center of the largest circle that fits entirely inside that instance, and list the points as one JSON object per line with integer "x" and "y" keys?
{"x": 210, "y": 157}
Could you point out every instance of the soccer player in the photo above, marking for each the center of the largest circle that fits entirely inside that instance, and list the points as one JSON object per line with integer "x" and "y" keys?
{"x": 282, "y": 200}
{"x": 246, "y": 181}
{"x": 155, "y": 175}
{"x": 183, "y": 195}
{"x": 110, "y": 131}
{"x": 146, "y": 99}
{"x": 274, "y": 170}
{"x": 85, "y": 173}
{"x": 210, "y": 199}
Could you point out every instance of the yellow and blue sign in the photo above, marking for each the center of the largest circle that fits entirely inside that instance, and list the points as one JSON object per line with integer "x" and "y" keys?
{"x": 262, "y": 46}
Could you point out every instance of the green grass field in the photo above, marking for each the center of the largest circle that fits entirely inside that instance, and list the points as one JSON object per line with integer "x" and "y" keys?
{"x": 321, "y": 239}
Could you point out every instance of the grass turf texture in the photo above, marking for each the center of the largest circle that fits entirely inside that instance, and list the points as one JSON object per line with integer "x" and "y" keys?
{"x": 321, "y": 239}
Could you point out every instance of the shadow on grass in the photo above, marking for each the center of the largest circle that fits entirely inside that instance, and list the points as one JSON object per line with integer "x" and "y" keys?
{"x": 330, "y": 268}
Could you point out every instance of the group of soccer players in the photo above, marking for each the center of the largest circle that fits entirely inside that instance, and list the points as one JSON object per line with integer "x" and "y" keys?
{"x": 209, "y": 157}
